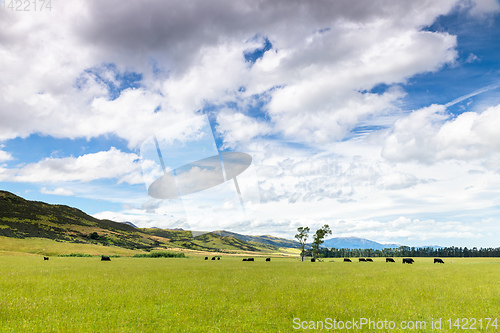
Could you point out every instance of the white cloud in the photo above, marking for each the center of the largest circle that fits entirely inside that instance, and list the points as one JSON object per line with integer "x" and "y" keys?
{"x": 472, "y": 58}
{"x": 482, "y": 8}
{"x": 188, "y": 60}
{"x": 397, "y": 181}
{"x": 143, "y": 219}
{"x": 5, "y": 156}
{"x": 429, "y": 135}
{"x": 324, "y": 81}
{"x": 217, "y": 73}
{"x": 238, "y": 128}
{"x": 414, "y": 230}
{"x": 105, "y": 164}
{"x": 57, "y": 191}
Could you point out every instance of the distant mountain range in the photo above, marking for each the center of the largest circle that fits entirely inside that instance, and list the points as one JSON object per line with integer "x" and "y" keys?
{"x": 356, "y": 243}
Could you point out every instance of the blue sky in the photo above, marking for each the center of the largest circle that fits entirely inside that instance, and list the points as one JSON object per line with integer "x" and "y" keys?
{"x": 378, "y": 119}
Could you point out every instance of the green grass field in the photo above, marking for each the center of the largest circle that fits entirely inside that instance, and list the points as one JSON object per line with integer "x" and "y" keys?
{"x": 194, "y": 295}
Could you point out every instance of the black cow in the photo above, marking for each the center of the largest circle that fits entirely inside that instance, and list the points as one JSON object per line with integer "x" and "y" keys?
{"x": 313, "y": 260}
{"x": 362, "y": 260}
{"x": 268, "y": 259}
{"x": 105, "y": 258}
{"x": 369, "y": 259}
{"x": 347, "y": 260}
{"x": 213, "y": 258}
{"x": 389, "y": 260}
{"x": 218, "y": 258}
{"x": 206, "y": 258}
{"x": 439, "y": 261}
{"x": 45, "y": 258}
{"x": 245, "y": 259}
{"x": 250, "y": 259}
{"x": 408, "y": 261}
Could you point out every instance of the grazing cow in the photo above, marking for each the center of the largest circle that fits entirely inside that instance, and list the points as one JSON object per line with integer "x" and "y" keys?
{"x": 362, "y": 260}
{"x": 408, "y": 261}
{"x": 268, "y": 259}
{"x": 206, "y": 258}
{"x": 45, "y": 258}
{"x": 105, "y": 258}
{"x": 369, "y": 260}
{"x": 250, "y": 259}
{"x": 245, "y": 259}
{"x": 389, "y": 260}
{"x": 213, "y": 258}
{"x": 347, "y": 260}
{"x": 439, "y": 261}
{"x": 218, "y": 258}
{"x": 313, "y": 260}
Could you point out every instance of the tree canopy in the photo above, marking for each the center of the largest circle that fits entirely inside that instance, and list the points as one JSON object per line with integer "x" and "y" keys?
{"x": 301, "y": 236}
{"x": 318, "y": 239}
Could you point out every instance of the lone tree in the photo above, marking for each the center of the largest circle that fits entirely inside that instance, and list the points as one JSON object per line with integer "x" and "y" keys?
{"x": 302, "y": 238}
{"x": 318, "y": 239}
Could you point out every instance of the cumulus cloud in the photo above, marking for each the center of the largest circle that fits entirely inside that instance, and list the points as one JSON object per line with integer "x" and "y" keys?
{"x": 321, "y": 102}
{"x": 430, "y": 135}
{"x": 191, "y": 55}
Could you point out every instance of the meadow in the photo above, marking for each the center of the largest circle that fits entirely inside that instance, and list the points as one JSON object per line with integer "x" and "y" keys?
{"x": 73, "y": 294}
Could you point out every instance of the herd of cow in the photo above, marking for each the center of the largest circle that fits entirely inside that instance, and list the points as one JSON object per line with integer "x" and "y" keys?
{"x": 405, "y": 260}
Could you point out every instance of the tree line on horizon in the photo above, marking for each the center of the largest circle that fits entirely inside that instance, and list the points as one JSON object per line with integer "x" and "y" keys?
{"x": 406, "y": 251}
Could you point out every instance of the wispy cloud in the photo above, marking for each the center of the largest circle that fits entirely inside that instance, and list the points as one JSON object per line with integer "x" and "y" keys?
{"x": 57, "y": 191}
{"x": 472, "y": 94}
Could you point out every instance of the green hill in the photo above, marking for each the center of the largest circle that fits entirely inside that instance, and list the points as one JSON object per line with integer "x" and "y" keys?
{"x": 28, "y": 220}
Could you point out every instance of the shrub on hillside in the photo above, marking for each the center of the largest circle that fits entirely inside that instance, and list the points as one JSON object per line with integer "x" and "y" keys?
{"x": 75, "y": 255}
{"x": 160, "y": 254}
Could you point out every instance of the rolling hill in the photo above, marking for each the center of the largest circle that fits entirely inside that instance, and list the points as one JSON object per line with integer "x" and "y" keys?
{"x": 29, "y": 220}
